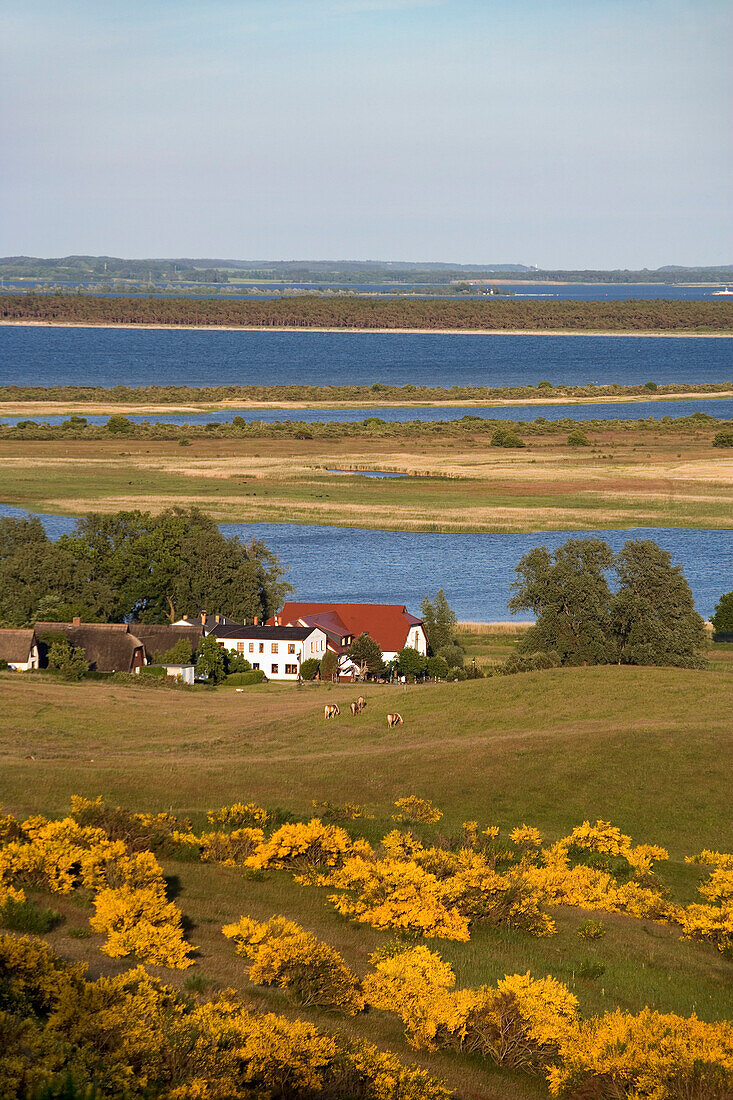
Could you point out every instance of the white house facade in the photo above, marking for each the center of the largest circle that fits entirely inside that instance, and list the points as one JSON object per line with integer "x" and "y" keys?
{"x": 20, "y": 649}
{"x": 278, "y": 651}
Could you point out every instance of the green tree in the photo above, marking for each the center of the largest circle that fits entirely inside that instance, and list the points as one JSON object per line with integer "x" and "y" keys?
{"x": 722, "y": 620}
{"x": 309, "y": 668}
{"x": 452, "y": 654}
{"x": 329, "y": 666}
{"x": 179, "y": 654}
{"x": 439, "y": 621}
{"x": 119, "y": 425}
{"x": 569, "y": 593}
{"x": 365, "y": 653}
{"x": 236, "y": 662}
{"x": 410, "y": 663}
{"x": 66, "y": 659}
{"x": 210, "y": 661}
{"x": 653, "y": 613}
{"x": 437, "y": 667}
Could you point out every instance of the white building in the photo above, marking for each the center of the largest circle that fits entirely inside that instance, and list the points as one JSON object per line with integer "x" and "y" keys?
{"x": 278, "y": 651}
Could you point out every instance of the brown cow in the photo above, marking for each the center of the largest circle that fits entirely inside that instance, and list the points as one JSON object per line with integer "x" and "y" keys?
{"x": 354, "y": 708}
{"x": 394, "y": 720}
{"x": 361, "y": 703}
{"x": 331, "y": 711}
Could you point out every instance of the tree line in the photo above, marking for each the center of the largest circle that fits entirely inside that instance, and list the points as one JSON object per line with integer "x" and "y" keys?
{"x": 629, "y": 315}
{"x": 134, "y": 567}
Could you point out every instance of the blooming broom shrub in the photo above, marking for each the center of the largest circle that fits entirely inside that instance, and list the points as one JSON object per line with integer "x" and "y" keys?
{"x": 646, "y": 1057}
{"x": 417, "y": 809}
{"x": 238, "y": 816}
{"x": 415, "y": 984}
{"x": 713, "y": 920}
{"x": 284, "y": 954}
{"x": 396, "y": 894}
{"x": 137, "y": 831}
{"x": 140, "y": 921}
{"x": 306, "y": 848}
{"x": 132, "y": 1036}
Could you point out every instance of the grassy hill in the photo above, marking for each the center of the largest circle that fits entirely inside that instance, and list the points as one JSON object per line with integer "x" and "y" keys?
{"x": 648, "y": 749}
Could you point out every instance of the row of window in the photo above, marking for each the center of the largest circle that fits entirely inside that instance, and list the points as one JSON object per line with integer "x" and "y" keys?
{"x": 290, "y": 670}
{"x": 261, "y": 647}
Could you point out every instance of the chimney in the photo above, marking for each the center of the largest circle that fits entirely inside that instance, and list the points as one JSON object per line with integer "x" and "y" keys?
{"x": 76, "y": 621}
{"x": 256, "y": 620}
{"x": 203, "y": 618}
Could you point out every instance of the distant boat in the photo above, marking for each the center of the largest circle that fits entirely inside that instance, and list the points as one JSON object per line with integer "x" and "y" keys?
{"x": 726, "y": 290}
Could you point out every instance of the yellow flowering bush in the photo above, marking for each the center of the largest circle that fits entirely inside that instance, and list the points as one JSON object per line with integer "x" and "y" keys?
{"x": 49, "y": 853}
{"x": 525, "y": 836}
{"x": 303, "y": 847}
{"x": 132, "y": 1036}
{"x": 415, "y": 984}
{"x": 345, "y": 811}
{"x": 417, "y": 809}
{"x": 138, "y": 831}
{"x": 398, "y": 894}
{"x": 232, "y": 849}
{"x": 140, "y": 921}
{"x": 284, "y": 954}
{"x": 712, "y": 921}
{"x": 238, "y": 816}
{"x": 646, "y": 1057}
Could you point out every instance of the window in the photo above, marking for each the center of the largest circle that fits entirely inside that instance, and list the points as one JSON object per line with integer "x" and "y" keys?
{"x": 273, "y": 669}
{"x": 291, "y": 670}
{"x": 251, "y": 647}
{"x": 240, "y": 647}
{"x": 256, "y": 666}
{"x": 291, "y": 647}
{"x": 262, "y": 647}
{"x": 274, "y": 647}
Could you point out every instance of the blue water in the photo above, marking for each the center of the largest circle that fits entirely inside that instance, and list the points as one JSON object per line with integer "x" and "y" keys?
{"x": 721, "y": 409}
{"x": 476, "y": 571}
{"x": 47, "y": 356}
{"x": 583, "y": 292}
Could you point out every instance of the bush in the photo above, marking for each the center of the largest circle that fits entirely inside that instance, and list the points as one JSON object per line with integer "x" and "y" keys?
{"x": 723, "y": 439}
{"x": 505, "y": 437}
{"x": 246, "y": 679}
{"x": 528, "y": 662}
{"x": 437, "y": 667}
{"x": 119, "y": 425}
{"x": 329, "y": 666}
{"x": 453, "y": 655}
{"x": 456, "y": 674}
{"x": 309, "y": 668}
{"x": 26, "y": 916}
{"x": 237, "y": 662}
{"x": 153, "y": 670}
{"x": 410, "y": 662}
{"x": 578, "y": 439}
{"x": 71, "y": 663}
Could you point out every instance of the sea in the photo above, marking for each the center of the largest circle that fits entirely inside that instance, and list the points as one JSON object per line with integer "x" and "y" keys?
{"x": 351, "y": 565}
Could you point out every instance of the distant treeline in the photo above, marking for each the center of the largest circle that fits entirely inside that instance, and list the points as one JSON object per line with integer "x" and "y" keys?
{"x": 630, "y": 315}
{"x": 327, "y": 395}
{"x": 698, "y": 426}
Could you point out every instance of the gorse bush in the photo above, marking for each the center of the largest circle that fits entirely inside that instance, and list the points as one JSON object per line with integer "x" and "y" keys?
{"x": 284, "y": 954}
{"x": 25, "y": 916}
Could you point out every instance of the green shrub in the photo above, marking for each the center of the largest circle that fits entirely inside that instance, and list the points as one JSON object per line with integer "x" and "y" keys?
{"x": 592, "y": 930}
{"x": 577, "y": 438}
{"x": 723, "y": 439}
{"x": 309, "y": 668}
{"x": 26, "y": 916}
{"x": 236, "y": 662}
{"x": 152, "y": 670}
{"x": 244, "y": 679}
{"x": 437, "y": 667}
{"x": 505, "y": 437}
{"x": 119, "y": 425}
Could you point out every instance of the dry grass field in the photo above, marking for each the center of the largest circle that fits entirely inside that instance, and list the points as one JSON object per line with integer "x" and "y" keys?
{"x": 626, "y": 478}
{"x": 648, "y": 749}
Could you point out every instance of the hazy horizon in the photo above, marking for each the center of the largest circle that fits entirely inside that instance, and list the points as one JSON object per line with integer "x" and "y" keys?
{"x": 572, "y": 135}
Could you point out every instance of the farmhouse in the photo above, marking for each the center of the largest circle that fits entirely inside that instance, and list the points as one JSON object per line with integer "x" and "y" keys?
{"x": 390, "y": 625}
{"x": 108, "y": 647}
{"x": 19, "y": 648}
{"x": 278, "y": 651}
{"x": 160, "y": 639}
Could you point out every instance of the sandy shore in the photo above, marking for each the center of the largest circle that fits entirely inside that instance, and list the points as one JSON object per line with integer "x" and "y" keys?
{"x": 102, "y": 408}
{"x": 399, "y": 331}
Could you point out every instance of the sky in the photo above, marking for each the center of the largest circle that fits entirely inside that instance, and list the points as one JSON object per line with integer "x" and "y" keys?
{"x": 561, "y": 133}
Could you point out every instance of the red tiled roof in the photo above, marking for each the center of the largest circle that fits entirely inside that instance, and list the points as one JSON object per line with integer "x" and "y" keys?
{"x": 387, "y": 623}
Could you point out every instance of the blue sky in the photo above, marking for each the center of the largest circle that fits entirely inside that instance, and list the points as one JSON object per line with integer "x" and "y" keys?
{"x": 562, "y": 133}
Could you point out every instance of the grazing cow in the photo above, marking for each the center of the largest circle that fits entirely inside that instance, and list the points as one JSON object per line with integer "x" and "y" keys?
{"x": 394, "y": 720}
{"x": 361, "y": 703}
{"x": 331, "y": 711}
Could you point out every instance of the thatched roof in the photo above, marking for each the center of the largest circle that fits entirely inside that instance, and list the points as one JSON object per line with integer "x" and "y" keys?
{"x": 158, "y": 639}
{"x": 16, "y": 645}
{"x": 108, "y": 647}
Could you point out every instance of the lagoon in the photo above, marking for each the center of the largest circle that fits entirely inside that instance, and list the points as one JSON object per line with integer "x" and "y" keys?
{"x": 352, "y": 565}
{"x": 70, "y": 356}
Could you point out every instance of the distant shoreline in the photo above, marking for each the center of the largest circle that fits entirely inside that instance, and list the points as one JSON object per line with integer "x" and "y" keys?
{"x": 103, "y": 408}
{"x": 396, "y": 331}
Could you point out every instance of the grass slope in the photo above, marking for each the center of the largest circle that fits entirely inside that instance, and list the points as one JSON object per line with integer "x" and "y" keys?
{"x": 649, "y": 749}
